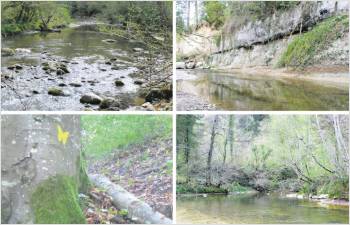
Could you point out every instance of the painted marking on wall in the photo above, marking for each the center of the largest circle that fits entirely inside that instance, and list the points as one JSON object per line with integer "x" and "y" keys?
{"x": 62, "y": 136}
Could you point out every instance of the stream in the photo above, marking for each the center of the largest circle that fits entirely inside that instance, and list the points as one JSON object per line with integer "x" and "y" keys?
{"x": 227, "y": 91}
{"x": 85, "y": 53}
{"x": 253, "y": 209}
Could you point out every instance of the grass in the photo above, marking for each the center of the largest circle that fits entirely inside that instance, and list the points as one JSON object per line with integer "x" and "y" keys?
{"x": 301, "y": 51}
{"x": 106, "y": 133}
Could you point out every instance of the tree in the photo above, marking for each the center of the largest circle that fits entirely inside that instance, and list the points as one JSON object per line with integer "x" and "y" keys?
{"x": 211, "y": 149}
{"x": 214, "y": 13}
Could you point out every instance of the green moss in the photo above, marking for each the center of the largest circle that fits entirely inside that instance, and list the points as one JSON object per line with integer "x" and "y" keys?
{"x": 83, "y": 179}
{"x": 55, "y": 201}
{"x": 301, "y": 51}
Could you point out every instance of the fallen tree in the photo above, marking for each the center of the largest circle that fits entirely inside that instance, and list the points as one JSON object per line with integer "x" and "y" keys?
{"x": 137, "y": 209}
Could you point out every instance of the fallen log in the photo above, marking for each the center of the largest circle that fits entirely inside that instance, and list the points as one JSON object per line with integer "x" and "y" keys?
{"x": 122, "y": 199}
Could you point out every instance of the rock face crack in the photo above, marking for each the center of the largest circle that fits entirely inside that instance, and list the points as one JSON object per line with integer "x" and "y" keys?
{"x": 25, "y": 169}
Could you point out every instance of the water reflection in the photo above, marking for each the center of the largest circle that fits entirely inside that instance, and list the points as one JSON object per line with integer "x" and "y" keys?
{"x": 237, "y": 92}
{"x": 255, "y": 209}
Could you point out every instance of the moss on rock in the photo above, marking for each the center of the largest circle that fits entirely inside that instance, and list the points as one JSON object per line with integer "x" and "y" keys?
{"x": 83, "y": 179}
{"x": 301, "y": 51}
{"x": 55, "y": 201}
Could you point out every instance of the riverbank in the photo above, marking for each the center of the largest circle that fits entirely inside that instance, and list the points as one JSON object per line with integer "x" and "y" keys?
{"x": 102, "y": 73}
{"x": 331, "y": 76}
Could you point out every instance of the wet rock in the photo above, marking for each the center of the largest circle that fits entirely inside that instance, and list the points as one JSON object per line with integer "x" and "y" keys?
{"x": 35, "y": 92}
{"x": 62, "y": 84}
{"x": 190, "y": 65}
{"x": 122, "y": 76}
{"x": 64, "y": 61}
{"x": 75, "y": 84}
{"x": 158, "y": 94}
{"x": 119, "y": 83}
{"x": 23, "y": 50}
{"x": 109, "y": 103}
{"x": 167, "y": 93}
{"x": 109, "y": 40}
{"x": 138, "y": 82}
{"x": 91, "y": 98}
{"x": 74, "y": 62}
{"x": 137, "y": 49}
{"x": 60, "y": 72}
{"x": 7, "y": 52}
{"x": 55, "y": 91}
{"x": 113, "y": 59}
{"x": 154, "y": 95}
{"x": 115, "y": 68}
{"x": 63, "y": 67}
{"x": 148, "y": 106}
{"x": 102, "y": 69}
{"x": 108, "y": 63}
{"x": 135, "y": 74}
{"x": 180, "y": 65}
{"x": 16, "y": 66}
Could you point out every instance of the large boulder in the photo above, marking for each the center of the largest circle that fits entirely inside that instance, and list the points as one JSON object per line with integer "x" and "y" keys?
{"x": 41, "y": 169}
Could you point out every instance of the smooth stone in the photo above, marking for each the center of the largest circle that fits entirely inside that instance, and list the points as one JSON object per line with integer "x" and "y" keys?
{"x": 91, "y": 98}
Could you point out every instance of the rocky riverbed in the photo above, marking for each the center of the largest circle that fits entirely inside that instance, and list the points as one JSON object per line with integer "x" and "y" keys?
{"x": 78, "y": 69}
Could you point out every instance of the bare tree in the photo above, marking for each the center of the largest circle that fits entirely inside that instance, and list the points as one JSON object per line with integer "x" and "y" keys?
{"x": 211, "y": 148}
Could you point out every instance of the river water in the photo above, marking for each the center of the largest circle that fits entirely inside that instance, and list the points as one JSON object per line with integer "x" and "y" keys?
{"x": 86, "y": 54}
{"x": 229, "y": 91}
{"x": 254, "y": 209}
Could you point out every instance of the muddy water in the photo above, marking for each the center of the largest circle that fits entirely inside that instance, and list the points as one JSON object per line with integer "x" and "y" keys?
{"x": 239, "y": 92}
{"x": 253, "y": 209}
{"x": 85, "y": 53}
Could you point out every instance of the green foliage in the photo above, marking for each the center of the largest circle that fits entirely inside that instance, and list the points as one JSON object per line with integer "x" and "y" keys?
{"x": 198, "y": 188}
{"x": 18, "y": 16}
{"x": 301, "y": 51}
{"x": 335, "y": 189}
{"x": 235, "y": 187}
{"x": 106, "y": 133}
{"x": 214, "y": 13}
{"x": 55, "y": 201}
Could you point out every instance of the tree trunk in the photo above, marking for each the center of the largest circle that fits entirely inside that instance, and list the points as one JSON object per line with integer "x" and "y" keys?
{"x": 188, "y": 14}
{"x": 125, "y": 200}
{"x": 230, "y": 134}
{"x": 196, "y": 9}
{"x": 39, "y": 165}
{"x": 187, "y": 153}
{"x": 211, "y": 148}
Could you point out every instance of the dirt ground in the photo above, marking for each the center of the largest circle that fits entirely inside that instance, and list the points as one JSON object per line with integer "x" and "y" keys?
{"x": 142, "y": 169}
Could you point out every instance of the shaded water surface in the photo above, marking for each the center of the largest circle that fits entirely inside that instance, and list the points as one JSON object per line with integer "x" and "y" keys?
{"x": 239, "y": 92}
{"x": 85, "y": 53}
{"x": 254, "y": 209}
